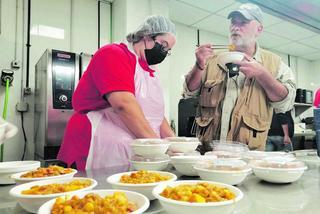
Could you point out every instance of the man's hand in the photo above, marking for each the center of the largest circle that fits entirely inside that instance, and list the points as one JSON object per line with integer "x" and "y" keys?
{"x": 286, "y": 140}
{"x": 203, "y": 52}
{"x": 250, "y": 67}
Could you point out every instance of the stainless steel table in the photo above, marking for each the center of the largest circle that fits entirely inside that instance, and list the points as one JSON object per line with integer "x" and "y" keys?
{"x": 260, "y": 197}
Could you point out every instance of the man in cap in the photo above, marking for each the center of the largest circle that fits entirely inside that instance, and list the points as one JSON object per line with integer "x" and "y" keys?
{"x": 238, "y": 106}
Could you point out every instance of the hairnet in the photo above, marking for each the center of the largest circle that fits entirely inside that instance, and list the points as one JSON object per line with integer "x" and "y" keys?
{"x": 152, "y": 25}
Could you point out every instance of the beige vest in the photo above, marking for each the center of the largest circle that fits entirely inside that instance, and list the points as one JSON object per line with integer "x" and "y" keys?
{"x": 252, "y": 114}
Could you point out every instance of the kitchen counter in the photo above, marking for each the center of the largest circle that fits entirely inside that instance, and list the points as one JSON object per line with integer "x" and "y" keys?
{"x": 260, "y": 197}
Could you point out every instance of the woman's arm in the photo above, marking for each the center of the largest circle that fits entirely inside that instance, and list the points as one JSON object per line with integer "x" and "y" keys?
{"x": 165, "y": 129}
{"x": 130, "y": 112}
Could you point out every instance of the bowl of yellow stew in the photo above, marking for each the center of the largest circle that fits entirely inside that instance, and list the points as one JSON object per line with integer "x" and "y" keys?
{"x": 44, "y": 173}
{"x": 97, "y": 201}
{"x": 33, "y": 194}
{"x": 141, "y": 181}
{"x": 194, "y": 196}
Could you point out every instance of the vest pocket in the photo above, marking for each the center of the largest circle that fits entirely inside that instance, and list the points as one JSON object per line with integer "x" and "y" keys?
{"x": 211, "y": 93}
{"x": 254, "y": 131}
{"x": 204, "y": 129}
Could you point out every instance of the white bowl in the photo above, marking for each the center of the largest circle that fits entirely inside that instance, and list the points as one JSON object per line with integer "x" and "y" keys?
{"x": 230, "y": 57}
{"x": 278, "y": 175}
{"x": 11, "y": 167}
{"x": 228, "y": 177}
{"x": 183, "y": 147}
{"x": 158, "y": 148}
{"x": 185, "y": 164}
{"x": 144, "y": 189}
{"x": 19, "y": 180}
{"x": 31, "y": 203}
{"x": 152, "y": 165}
{"x": 173, "y": 206}
{"x": 140, "y": 200}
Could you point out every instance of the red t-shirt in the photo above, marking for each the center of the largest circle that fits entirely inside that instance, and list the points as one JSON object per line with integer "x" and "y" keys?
{"x": 112, "y": 68}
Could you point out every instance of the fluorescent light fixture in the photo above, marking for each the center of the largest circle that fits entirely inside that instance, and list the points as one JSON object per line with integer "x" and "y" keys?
{"x": 47, "y": 31}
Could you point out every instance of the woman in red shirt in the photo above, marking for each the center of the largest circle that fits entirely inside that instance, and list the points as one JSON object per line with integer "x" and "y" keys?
{"x": 119, "y": 98}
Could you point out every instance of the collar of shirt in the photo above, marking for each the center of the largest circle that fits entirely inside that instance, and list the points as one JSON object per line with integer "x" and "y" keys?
{"x": 257, "y": 54}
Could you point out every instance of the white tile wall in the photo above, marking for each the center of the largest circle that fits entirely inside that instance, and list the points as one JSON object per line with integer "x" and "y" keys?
{"x": 76, "y": 19}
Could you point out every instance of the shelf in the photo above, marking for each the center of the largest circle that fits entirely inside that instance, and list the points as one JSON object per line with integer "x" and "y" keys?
{"x": 302, "y": 105}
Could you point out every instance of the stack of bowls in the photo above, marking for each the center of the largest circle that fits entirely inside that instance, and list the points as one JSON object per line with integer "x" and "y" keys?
{"x": 150, "y": 154}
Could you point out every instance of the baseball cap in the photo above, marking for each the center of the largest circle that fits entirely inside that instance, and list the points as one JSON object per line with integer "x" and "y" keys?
{"x": 248, "y": 11}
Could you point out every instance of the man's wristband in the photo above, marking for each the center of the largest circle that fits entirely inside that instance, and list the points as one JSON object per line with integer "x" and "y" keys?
{"x": 198, "y": 66}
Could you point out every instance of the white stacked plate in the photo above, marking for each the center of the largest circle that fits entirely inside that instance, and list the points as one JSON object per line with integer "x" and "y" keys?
{"x": 11, "y": 167}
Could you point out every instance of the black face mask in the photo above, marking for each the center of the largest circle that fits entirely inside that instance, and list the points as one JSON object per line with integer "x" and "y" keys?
{"x": 156, "y": 54}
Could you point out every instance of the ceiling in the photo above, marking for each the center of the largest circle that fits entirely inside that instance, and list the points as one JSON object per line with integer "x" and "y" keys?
{"x": 279, "y": 34}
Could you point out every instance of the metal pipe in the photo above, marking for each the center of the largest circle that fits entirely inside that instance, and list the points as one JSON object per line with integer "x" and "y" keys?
{"x": 28, "y": 44}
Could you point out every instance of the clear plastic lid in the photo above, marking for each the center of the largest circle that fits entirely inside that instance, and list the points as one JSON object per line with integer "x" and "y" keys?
{"x": 277, "y": 163}
{"x": 231, "y": 146}
{"x": 151, "y": 158}
{"x": 224, "y": 154}
{"x": 223, "y": 165}
{"x": 149, "y": 141}
{"x": 182, "y": 139}
{"x": 260, "y": 155}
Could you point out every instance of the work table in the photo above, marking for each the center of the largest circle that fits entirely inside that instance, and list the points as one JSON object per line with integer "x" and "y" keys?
{"x": 260, "y": 197}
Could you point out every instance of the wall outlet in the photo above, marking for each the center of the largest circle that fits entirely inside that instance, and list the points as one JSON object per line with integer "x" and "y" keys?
{"x": 22, "y": 106}
{"x": 15, "y": 64}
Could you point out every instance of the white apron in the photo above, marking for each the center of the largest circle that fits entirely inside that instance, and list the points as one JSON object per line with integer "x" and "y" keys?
{"x": 110, "y": 138}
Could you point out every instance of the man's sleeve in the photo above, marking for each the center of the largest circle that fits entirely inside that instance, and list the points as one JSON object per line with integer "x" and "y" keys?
{"x": 186, "y": 93}
{"x": 286, "y": 77}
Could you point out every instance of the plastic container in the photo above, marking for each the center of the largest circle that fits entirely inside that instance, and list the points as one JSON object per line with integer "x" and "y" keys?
{"x": 228, "y": 149}
{"x": 228, "y": 171}
{"x": 278, "y": 169}
{"x": 154, "y": 163}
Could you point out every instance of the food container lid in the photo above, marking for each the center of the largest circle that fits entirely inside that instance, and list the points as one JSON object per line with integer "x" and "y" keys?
{"x": 223, "y": 165}
{"x": 224, "y": 154}
{"x": 151, "y": 158}
{"x": 277, "y": 163}
{"x": 182, "y": 139}
{"x": 260, "y": 155}
{"x": 172, "y": 154}
{"x": 149, "y": 141}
